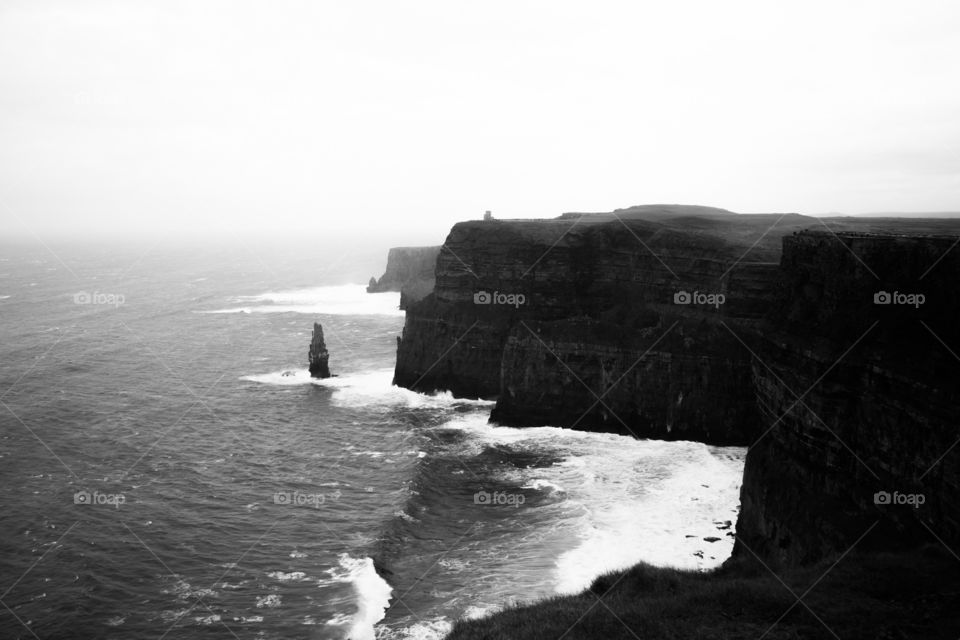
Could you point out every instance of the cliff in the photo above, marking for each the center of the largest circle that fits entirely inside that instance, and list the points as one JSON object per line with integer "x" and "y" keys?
{"x": 858, "y": 399}
{"x": 410, "y": 270}
{"x": 594, "y": 337}
{"x": 700, "y": 324}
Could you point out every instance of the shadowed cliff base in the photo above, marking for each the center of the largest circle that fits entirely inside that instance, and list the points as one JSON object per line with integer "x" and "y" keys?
{"x": 859, "y": 596}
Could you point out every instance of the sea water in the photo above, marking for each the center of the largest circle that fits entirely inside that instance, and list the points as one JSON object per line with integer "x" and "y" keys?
{"x": 225, "y": 493}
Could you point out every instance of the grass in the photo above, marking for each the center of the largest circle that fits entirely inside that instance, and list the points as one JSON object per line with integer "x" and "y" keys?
{"x": 864, "y": 596}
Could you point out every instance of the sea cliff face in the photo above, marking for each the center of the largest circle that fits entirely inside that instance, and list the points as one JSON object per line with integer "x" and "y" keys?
{"x": 612, "y": 322}
{"x": 574, "y": 322}
{"x": 858, "y": 399}
{"x": 410, "y": 270}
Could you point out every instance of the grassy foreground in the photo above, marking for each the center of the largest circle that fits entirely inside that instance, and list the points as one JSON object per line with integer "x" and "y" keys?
{"x": 869, "y": 596}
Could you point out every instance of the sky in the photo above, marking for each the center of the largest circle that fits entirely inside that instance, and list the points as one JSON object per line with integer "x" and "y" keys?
{"x": 397, "y": 119}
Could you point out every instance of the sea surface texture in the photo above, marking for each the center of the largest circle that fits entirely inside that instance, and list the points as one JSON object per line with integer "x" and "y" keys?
{"x": 170, "y": 469}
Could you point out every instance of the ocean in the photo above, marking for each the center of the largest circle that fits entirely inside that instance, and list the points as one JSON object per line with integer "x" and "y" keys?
{"x": 170, "y": 470}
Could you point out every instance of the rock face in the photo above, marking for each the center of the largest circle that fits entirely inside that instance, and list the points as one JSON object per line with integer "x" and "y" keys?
{"x": 594, "y": 337}
{"x": 858, "y": 401}
{"x": 612, "y": 322}
{"x": 410, "y": 270}
{"x": 318, "y": 355}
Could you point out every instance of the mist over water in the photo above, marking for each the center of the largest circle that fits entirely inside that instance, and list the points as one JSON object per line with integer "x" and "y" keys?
{"x": 183, "y": 412}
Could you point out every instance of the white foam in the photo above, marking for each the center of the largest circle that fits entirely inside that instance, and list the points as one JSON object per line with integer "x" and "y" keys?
{"x": 648, "y": 520}
{"x": 287, "y": 577}
{"x": 432, "y": 629}
{"x": 185, "y": 591}
{"x": 625, "y": 500}
{"x": 368, "y": 387}
{"x": 342, "y": 300}
{"x": 372, "y": 593}
{"x": 287, "y": 377}
{"x": 271, "y": 601}
{"x": 539, "y": 484}
{"x": 338, "y": 620}
{"x": 475, "y": 613}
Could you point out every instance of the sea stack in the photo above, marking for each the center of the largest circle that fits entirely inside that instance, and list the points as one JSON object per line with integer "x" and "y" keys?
{"x": 318, "y": 354}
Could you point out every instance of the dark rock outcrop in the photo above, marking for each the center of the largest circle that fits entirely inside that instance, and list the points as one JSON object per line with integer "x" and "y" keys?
{"x": 410, "y": 270}
{"x": 318, "y": 355}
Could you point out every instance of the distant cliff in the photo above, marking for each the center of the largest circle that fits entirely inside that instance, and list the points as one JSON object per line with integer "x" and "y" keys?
{"x": 410, "y": 270}
{"x": 700, "y": 324}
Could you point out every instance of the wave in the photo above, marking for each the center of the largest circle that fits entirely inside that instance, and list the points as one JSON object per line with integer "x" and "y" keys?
{"x": 624, "y": 500}
{"x": 432, "y": 629}
{"x": 661, "y": 521}
{"x": 372, "y": 593}
{"x": 594, "y": 502}
{"x": 342, "y": 300}
{"x": 541, "y": 484}
{"x": 287, "y": 577}
{"x": 365, "y": 388}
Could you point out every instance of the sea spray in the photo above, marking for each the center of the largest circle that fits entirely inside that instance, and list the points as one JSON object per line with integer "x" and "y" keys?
{"x": 369, "y": 387}
{"x": 372, "y": 595}
{"x": 623, "y": 500}
{"x": 342, "y": 300}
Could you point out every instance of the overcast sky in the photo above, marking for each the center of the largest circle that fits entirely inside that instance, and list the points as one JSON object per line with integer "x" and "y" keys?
{"x": 291, "y": 117}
